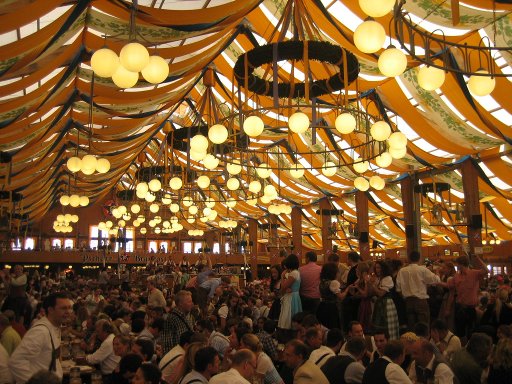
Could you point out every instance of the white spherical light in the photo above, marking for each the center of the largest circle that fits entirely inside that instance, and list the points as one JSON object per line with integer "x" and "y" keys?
{"x": 297, "y": 171}
{"x": 345, "y": 123}
{"x": 430, "y": 78}
{"x": 122, "y": 209}
{"x": 88, "y": 171}
{"x": 233, "y": 184}
{"x": 481, "y": 85}
{"x": 265, "y": 199}
{"x": 254, "y": 186}
{"x": 116, "y": 213}
{"x": 218, "y": 134}
{"x": 84, "y": 201}
{"x": 154, "y": 185}
{"x": 392, "y": 62}
{"x": 270, "y": 190}
{"x": 234, "y": 168}
{"x": 149, "y": 197}
{"x": 192, "y": 209}
{"x": 380, "y": 130}
{"x": 187, "y": 201}
{"x": 104, "y": 62}
{"x": 329, "y": 168}
{"x": 298, "y": 122}
{"x": 134, "y": 57}
{"x": 231, "y": 202}
{"x": 253, "y": 126}
{"x": 207, "y": 211}
{"x": 197, "y": 155}
{"x": 199, "y": 143}
{"x": 361, "y": 166}
{"x": 369, "y": 36}
{"x": 136, "y": 223}
{"x": 361, "y": 183}
{"x": 103, "y": 165}
{"x": 124, "y": 78}
{"x": 64, "y": 200}
{"x": 154, "y": 208}
{"x": 121, "y": 223}
{"x": 174, "y": 208}
{"x": 74, "y": 218}
{"x": 74, "y": 164}
{"x": 142, "y": 187}
{"x": 74, "y": 201}
{"x": 156, "y": 70}
{"x": 376, "y": 8}
{"x": 210, "y": 203}
{"x": 135, "y": 208}
{"x": 143, "y": 230}
{"x": 398, "y": 153}
{"x": 263, "y": 170}
{"x": 89, "y": 162}
{"x": 203, "y": 181}
{"x": 252, "y": 202}
{"x": 175, "y": 183}
{"x": 377, "y": 182}
{"x": 384, "y": 160}
{"x": 397, "y": 140}
{"x": 210, "y": 162}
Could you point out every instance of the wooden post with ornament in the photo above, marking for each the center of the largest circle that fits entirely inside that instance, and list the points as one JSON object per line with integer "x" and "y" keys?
{"x": 472, "y": 206}
{"x": 253, "y": 239}
{"x": 363, "y": 225}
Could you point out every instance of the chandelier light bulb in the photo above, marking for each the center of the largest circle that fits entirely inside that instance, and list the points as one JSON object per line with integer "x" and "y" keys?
{"x": 430, "y": 78}
{"x": 234, "y": 168}
{"x": 143, "y": 187}
{"x": 361, "y": 166}
{"x": 64, "y": 200}
{"x": 89, "y": 162}
{"x": 210, "y": 162}
{"x": 122, "y": 209}
{"x": 199, "y": 143}
{"x": 345, "y": 123}
{"x": 384, "y": 160}
{"x": 166, "y": 199}
{"x": 154, "y": 208}
{"x": 254, "y": 186}
{"x": 376, "y": 8}
{"x": 392, "y": 62}
{"x": 124, "y": 78}
{"x": 361, "y": 183}
{"x": 104, "y": 62}
{"x": 74, "y": 164}
{"x": 203, "y": 181}
{"x": 252, "y": 202}
{"x": 121, "y": 223}
{"x": 329, "y": 169}
{"x": 136, "y": 223}
{"x": 397, "y": 140}
{"x": 270, "y": 190}
{"x": 197, "y": 155}
{"x": 218, "y": 134}
{"x": 74, "y": 201}
{"x": 263, "y": 170}
{"x": 84, "y": 201}
{"x": 135, "y": 208}
{"x": 231, "y": 202}
{"x": 102, "y": 165}
{"x": 265, "y": 199}
{"x": 210, "y": 203}
{"x": 175, "y": 183}
{"x": 233, "y": 184}
{"x": 149, "y": 197}
{"x": 74, "y": 218}
{"x": 377, "y": 183}
{"x": 398, "y": 153}
{"x": 481, "y": 85}
{"x": 156, "y": 71}
{"x": 297, "y": 171}
{"x": 187, "y": 201}
{"x": 143, "y": 230}
{"x": 192, "y": 209}
{"x": 298, "y": 122}
{"x": 174, "y": 208}
{"x": 253, "y": 126}
{"x": 134, "y": 57}
{"x": 155, "y": 185}
{"x": 207, "y": 211}
{"x": 369, "y": 36}
{"x": 380, "y": 130}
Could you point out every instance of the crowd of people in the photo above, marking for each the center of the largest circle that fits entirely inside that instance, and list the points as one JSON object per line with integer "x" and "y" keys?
{"x": 360, "y": 322}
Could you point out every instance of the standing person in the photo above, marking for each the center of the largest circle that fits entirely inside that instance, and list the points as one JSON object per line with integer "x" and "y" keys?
{"x": 290, "y": 285}
{"x": 329, "y": 310}
{"x": 155, "y": 296}
{"x": 362, "y": 290}
{"x": 465, "y": 286}
{"x": 178, "y": 321}
{"x": 412, "y": 281}
{"x": 38, "y": 348}
{"x": 309, "y": 282}
{"x": 384, "y": 311}
{"x": 243, "y": 367}
{"x": 275, "y": 290}
{"x": 16, "y": 283}
{"x": 350, "y": 304}
{"x": 295, "y": 357}
{"x": 387, "y": 369}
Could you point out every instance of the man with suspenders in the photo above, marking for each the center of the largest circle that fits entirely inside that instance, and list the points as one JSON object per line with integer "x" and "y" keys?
{"x": 206, "y": 364}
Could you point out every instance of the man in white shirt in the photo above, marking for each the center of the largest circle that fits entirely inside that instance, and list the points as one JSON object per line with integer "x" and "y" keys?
{"x": 104, "y": 355}
{"x": 38, "y": 348}
{"x": 387, "y": 369}
{"x": 425, "y": 367}
{"x": 412, "y": 281}
{"x": 206, "y": 364}
{"x": 172, "y": 362}
{"x": 243, "y": 367}
{"x": 444, "y": 339}
{"x": 348, "y": 364}
{"x": 332, "y": 346}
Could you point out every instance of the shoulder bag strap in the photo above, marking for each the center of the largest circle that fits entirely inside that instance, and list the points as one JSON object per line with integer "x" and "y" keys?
{"x": 321, "y": 358}
{"x": 170, "y": 361}
{"x": 53, "y": 362}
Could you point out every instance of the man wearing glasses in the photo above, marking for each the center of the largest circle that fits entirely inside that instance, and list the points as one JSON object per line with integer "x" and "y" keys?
{"x": 243, "y": 368}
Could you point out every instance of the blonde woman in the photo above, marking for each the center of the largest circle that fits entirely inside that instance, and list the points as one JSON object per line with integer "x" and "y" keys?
{"x": 266, "y": 372}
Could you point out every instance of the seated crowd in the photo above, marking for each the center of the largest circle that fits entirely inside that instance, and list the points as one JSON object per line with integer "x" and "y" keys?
{"x": 365, "y": 322}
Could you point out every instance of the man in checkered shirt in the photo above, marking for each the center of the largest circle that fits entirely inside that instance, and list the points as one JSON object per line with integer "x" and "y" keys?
{"x": 178, "y": 321}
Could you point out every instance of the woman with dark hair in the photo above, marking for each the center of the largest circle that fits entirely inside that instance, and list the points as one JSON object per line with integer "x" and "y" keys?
{"x": 329, "y": 310}
{"x": 384, "y": 310}
{"x": 275, "y": 289}
{"x": 147, "y": 373}
{"x": 290, "y": 284}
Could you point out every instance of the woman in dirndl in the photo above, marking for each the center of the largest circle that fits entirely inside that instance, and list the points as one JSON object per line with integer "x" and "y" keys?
{"x": 384, "y": 311}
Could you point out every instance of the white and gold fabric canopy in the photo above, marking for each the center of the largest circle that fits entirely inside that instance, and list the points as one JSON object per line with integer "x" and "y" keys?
{"x": 45, "y": 105}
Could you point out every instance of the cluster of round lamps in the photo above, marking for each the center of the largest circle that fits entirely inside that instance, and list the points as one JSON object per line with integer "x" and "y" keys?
{"x": 74, "y": 201}
{"x": 370, "y": 36}
{"x": 88, "y": 164}
{"x": 195, "y": 232}
{"x": 62, "y": 223}
{"x": 124, "y": 69}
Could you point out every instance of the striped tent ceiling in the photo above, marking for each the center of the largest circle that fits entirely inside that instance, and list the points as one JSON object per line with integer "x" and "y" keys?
{"x": 45, "y": 105}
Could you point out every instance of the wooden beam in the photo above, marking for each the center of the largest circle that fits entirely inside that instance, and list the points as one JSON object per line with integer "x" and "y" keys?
{"x": 455, "y": 12}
